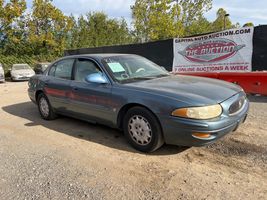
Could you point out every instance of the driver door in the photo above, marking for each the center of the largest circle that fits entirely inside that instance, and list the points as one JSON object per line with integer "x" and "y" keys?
{"x": 90, "y": 101}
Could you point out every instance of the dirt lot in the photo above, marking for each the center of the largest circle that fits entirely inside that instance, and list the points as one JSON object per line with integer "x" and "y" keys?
{"x": 71, "y": 159}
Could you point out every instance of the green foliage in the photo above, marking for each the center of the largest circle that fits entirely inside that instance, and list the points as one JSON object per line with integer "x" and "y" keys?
{"x": 10, "y": 16}
{"x": 45, "y": 32}
{"x": 162, "y": 19}
{"x": 8, "y": 61}
{"x": 155, "y": 20}
{"x": 199, "y": 26}
{"x": 248, "y": 24}
{"x": 96, "y": 29}
{"x": 48, "y": 28}
{"x": 222, "y": 21}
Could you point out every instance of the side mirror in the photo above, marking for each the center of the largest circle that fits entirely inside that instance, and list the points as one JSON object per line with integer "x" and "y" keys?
{"x": 96, "y": 78}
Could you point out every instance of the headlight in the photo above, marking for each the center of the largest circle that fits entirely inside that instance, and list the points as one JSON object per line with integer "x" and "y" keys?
{"x": 206, "y": 112}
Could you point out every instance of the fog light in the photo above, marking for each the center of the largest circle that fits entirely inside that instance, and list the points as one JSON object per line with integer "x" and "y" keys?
{"x": 202, "y": 135}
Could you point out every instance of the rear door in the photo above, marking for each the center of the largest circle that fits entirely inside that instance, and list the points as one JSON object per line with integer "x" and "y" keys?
{"x": 92, "y": 101}
{"x": 57, "y": 84}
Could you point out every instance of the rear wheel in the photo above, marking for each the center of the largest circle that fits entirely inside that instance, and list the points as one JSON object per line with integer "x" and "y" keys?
{"x": 45, "y": 108}
{"x": 142, "y": 130}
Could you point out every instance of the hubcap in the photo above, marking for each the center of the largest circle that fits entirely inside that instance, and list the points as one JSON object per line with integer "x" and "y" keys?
{"x": 140, "y": 130}
{"x": 44, "y": 108}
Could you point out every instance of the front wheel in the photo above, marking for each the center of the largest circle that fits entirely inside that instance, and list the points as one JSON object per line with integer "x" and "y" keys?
{"x": 45, "y": 108}
{"x": 142, "y": 130}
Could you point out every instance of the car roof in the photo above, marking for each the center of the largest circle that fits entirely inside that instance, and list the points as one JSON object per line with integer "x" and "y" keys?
{"x": 43, "y": 63}
{"x": 98, "y": 56}
{"x": 20, "y": 64}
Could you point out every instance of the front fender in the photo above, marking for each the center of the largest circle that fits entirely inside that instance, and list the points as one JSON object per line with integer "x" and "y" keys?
{"x": 159, "y": 105}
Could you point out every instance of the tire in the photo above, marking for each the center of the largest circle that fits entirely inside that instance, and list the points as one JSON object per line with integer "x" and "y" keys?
{"x": 45, "y": 108}
{"x": 142, "y": 130}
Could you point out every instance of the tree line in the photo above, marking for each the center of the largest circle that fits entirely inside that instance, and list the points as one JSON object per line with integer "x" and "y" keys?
{"x": 44, "y": 31}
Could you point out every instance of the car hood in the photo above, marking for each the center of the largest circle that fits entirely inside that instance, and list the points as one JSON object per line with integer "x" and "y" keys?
{"x": 22, "y": 71}
{"x": 196, "y": 90}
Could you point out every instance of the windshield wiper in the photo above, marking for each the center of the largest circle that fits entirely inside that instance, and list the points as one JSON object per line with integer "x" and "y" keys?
{"x": 144, "y": 78}
{"x": 162, "y": 75}
{"x": 141, "y": 78}
{"x": 157, "y": 76}
{"x": 137, "y": 79}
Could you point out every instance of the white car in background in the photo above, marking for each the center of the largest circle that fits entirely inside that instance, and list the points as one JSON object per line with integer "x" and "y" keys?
{"x": 2, "y": 74}
{"x": 21, "y": 72}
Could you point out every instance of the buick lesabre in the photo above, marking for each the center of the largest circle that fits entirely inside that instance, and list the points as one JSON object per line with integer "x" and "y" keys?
{"x": 135, "y": 95}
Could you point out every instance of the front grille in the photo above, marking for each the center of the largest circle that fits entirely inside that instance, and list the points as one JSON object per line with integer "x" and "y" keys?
{"x": 237, "y": 106}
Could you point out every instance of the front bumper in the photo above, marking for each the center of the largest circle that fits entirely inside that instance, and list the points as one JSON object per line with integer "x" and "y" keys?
{"x": 179, "y": 131}
{"x": 21, "y": 78}
{"x": 2, "y": 78}
{"x": 31, "y": 94}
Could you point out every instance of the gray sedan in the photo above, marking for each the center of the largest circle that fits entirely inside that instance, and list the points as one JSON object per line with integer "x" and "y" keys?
{"x": 21, "y": 72}
{"x": 2, "y": 74}
{"x": 149, "y": 104}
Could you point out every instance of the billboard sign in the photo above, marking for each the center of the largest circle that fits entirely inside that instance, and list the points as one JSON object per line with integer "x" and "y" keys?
{"x": 226, "y": 51}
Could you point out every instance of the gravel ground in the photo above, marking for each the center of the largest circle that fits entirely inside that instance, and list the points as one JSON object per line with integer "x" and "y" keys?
{"x": 71, "y": 159}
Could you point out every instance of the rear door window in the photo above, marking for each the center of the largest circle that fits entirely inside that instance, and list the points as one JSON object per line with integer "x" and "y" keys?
{"x": 62, "y": 69}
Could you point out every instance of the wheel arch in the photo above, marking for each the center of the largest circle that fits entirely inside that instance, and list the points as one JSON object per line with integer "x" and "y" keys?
{"x": 127, "y": 107}
{"x": 37, "y": 93}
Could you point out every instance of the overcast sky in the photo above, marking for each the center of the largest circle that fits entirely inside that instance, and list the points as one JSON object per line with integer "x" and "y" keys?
{"x": 241, "y": 11}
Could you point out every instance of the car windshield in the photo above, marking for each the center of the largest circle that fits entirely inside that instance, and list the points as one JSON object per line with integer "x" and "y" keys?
{"x": 131, "y": 68}
{"x": 20, "y": 67}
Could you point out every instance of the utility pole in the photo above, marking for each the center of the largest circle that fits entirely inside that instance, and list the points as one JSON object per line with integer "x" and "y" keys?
{"x": 177, "y": 16}
{"x": 226, "y": 15}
